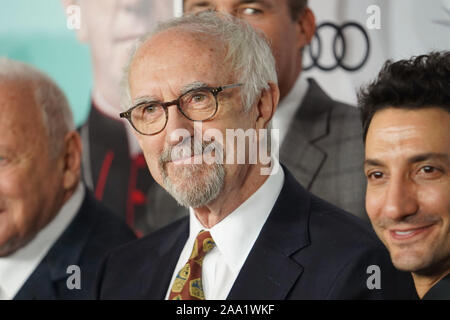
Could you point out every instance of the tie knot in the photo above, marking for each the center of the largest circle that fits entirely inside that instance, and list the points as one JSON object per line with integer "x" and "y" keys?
{"x": 204, "y": 243}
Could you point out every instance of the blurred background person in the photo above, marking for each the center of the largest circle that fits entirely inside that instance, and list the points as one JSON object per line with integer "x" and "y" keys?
{"x": 113, "y": 165}
{"x": 354, "y": 38}
{"x": 48, "y": 220}
{"x": 320, "y": 138}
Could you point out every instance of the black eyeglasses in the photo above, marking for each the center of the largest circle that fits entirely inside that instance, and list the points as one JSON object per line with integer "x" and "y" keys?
{"x": 150, "y": 118}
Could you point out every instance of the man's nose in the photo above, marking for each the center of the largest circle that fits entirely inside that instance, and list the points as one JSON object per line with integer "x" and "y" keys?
{"x": 178, "y": 127}
{"x": 224, "y": 8}
{"x": 400, "y": 199}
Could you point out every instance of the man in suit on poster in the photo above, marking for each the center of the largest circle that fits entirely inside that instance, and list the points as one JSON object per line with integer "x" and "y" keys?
{"x": 113, "y": 165}
{"x": 51, "y": 227}
{"x": 320, "y": 138}
{"x": 253, "y": 231}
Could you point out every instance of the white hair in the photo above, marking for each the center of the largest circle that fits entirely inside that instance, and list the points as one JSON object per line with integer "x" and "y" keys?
{"x": 248, "y": 52}
{"x": 56, "y": 113}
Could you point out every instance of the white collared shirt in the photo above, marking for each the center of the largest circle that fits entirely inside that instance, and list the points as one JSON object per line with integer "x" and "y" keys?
{"x": 288, "y": 107}
{"x": 18, "y": 266}
{"x": 234, "y": 237}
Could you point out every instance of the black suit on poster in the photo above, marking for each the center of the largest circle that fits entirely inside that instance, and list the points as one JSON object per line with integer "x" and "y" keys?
{"x": 123, "y": 183}
{"x": 92, "y": 233}
{"x": 307, "y": 249}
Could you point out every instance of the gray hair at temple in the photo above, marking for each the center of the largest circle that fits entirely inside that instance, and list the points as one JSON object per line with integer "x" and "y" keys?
{"x": 248, "y": 52}
{"x": 56, "y": 113}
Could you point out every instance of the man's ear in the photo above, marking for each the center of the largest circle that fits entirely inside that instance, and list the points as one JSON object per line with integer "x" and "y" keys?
{"x": 71, "y": 160}
{"x": 306, "y": 22}
{"x": 267, "y": 105}
{"x": 82, "y": 33}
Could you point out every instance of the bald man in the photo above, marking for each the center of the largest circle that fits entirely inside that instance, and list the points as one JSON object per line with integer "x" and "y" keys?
{"x": 52, "y": 231}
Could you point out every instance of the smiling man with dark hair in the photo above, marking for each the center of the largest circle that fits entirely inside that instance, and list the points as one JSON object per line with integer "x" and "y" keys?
{"x": 406, "y": 118}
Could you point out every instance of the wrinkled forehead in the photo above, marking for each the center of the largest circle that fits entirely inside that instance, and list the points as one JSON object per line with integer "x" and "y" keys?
{"x": 178, "y": 54}
{"x": 401, "y": 133}
{"x": 18, "y": 106}
{"x": 22, "y": 128}
{"x": 184, "y": 43}
{"x": 17, "y": 97}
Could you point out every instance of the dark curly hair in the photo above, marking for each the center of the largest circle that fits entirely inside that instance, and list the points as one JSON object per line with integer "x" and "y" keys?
{"x": 420, "y": 82}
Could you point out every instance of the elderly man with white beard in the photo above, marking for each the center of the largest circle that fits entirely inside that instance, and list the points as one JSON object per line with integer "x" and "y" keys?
{"x": 253, "y": 231}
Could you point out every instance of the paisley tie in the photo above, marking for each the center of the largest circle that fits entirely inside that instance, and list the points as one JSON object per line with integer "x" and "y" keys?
{"x": 188, "y": 282}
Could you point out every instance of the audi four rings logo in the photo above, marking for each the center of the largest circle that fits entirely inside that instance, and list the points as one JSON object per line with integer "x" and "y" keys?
{"x": 338, "y": 57}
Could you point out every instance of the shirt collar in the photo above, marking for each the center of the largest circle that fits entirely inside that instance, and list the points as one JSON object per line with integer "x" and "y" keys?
{"x": 288, "y": 107}
{"x": 440, "y": 291}
{"x": 236, "y": 234}
{"x": 18, "y": 266}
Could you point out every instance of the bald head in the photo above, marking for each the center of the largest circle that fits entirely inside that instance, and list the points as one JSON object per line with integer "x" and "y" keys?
{"x": 39, "y": 153}
{"x": 247, "y": 55}
{"x": 56, "y": 114}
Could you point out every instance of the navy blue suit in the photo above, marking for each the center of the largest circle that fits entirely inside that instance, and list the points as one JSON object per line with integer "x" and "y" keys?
{"x": 307, "y": 249}
{"x": 84, "y": 243}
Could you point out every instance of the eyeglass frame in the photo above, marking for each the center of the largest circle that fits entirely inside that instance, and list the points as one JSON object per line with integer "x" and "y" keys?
{"x": 165, "y": 105}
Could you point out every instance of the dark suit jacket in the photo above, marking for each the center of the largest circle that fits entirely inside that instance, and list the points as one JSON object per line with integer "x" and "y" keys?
{"x": 307, "y": 249}
{"x": 440, "y": 291}
{"x": 324, "y": 150}
{"x": 93, "y": 232}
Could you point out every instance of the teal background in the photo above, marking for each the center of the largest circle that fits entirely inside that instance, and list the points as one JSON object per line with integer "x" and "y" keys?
{"x": 35, "y": 31}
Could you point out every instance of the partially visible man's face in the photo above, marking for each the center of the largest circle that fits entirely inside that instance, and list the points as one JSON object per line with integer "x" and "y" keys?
{"x": 30, "y": 177}
{"x": 165, "y": 66}
{"x": 110, "y": 27}
{"x": 408, "y": 192}
{"x": 273, "y": 18}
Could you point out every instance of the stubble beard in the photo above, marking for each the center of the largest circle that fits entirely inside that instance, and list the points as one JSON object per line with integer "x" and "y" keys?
{"x": 192, "y": 185}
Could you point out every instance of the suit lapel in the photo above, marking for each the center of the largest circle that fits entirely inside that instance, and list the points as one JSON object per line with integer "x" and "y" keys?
{"x": 269, "y": 271}
{"x": 39, "y": 286}
{"x": 66, "y": 251}
{"x": 68, "y": 248}
{"x": 299, "y": 151}
{"x": 158, "y": 271}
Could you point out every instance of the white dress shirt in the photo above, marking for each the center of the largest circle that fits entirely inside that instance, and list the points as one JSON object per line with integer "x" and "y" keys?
{"x": 234, "y": 237}
{"x": 288, "y": 107}
{"x": 18, "y": 266}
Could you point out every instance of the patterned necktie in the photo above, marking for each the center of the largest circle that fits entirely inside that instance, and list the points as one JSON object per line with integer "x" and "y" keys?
{"x": 188, "y": 282}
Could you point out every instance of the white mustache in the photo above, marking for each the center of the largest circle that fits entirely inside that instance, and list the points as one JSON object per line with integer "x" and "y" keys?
{"x": 185, "y": 149}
